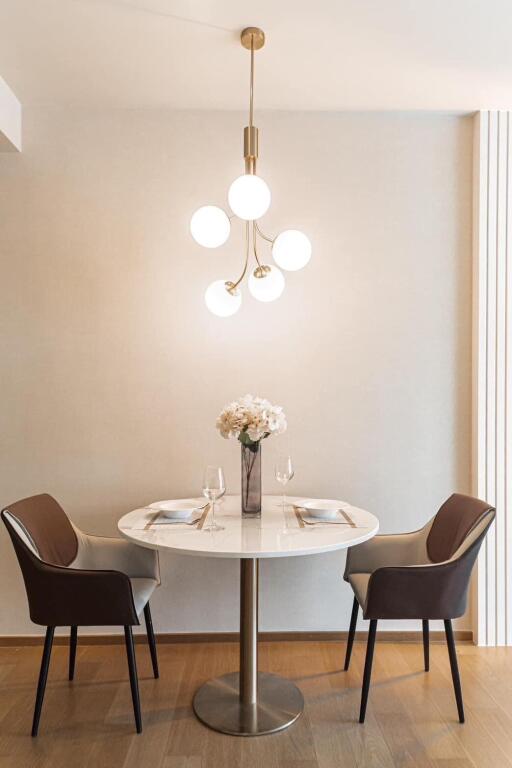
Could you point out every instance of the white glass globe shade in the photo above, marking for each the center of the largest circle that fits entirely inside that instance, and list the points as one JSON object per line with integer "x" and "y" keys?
{"x": 220, "y": 301}
{"x": 249, "y": 197}
{"x": 291, "y": 250}
{"x": 269, "y": 287}
{"x": 209, "y": 226}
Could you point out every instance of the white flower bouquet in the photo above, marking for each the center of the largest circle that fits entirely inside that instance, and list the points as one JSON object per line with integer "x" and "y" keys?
{"x": 251, "y": 419}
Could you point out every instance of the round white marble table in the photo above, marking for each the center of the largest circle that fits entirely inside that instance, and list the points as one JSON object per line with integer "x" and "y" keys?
{"x": 248, "y": 702}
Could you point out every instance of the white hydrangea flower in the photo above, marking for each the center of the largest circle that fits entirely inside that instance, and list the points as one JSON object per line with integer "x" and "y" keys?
{"x": 254, "y": 416}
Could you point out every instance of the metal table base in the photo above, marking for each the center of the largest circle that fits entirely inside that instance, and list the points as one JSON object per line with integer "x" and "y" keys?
{"x": 248, "y": 703}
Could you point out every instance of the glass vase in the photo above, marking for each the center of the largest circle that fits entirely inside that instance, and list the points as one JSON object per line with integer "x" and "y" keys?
{"x": 251, "y": 480}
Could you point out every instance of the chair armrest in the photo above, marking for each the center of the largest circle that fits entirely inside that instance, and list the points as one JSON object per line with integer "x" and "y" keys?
{"x": 384, "y": 550}
{"x": 66, "y": 596}
{"x": 60, "y": 596}
{"x": 437, "y": 591}
{"x": 103, "y": 553}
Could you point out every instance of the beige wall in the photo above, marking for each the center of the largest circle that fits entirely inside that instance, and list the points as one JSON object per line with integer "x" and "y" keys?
{"x": 113, "y": 371}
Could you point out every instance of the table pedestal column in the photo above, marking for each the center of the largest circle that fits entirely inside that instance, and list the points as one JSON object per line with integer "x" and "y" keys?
{"x": 248, "y": 703}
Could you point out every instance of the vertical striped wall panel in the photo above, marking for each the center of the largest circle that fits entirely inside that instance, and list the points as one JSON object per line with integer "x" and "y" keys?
{"x": 492, "y": 370}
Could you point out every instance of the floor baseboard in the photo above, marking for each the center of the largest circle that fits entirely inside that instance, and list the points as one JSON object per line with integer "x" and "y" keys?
{"x": 165, "y": 638}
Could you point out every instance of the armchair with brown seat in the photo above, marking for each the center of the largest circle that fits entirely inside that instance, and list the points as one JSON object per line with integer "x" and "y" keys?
{"x": 73, "y": 579}
{"x": 421, "y": 575}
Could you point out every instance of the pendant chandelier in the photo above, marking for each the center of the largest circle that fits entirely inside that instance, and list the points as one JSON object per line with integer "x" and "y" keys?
{"x": 249, "y": 199}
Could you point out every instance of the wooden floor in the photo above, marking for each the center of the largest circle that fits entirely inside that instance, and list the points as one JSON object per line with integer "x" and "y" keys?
{"x": 411, "y": 719}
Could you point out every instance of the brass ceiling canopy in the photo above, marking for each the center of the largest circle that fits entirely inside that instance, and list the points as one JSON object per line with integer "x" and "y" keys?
{"x": 252, "y": 37}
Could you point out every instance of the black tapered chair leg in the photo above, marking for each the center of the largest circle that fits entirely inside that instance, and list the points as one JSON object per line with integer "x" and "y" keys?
{"x": 454, "y": 667}
{"x": 73, "y": 637}
{"x": 426, "y": 645}
{"x": 370, "y": 647}
{"x": 351, "y": 633}
{"x": 43, "y": 676}
{"x": 134, "y": 683}
{"x": 151, "y": 639}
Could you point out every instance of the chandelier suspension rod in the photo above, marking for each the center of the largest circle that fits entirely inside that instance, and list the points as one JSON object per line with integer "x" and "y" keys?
{"x": 251, "y": 89}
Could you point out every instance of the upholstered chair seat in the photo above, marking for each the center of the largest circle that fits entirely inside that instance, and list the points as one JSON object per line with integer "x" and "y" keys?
{"x": 421, "y": 575}
{"x": 75, "y": 579}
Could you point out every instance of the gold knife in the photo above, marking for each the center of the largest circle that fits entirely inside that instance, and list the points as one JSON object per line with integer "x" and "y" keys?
{"x": 203, "y": 517}
{"x": 151, "y": 521}
{"x": 348, "y": 518}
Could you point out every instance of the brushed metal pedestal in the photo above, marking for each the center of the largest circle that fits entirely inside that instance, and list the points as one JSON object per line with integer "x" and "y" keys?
{"x": 248, "y": 703}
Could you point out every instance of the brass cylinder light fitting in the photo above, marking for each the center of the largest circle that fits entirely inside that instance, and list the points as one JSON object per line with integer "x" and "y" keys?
{"x": 250, "y": 148}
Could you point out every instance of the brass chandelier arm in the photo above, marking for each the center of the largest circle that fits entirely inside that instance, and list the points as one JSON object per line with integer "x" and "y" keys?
{"x": 261, "y": 234}
{"x": 254, "y": 225}
{"x": 262, "y": 269}
{"x": 231, "y": 287}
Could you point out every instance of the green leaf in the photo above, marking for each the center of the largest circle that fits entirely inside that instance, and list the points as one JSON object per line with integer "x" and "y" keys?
{"x": 246, "y": 440}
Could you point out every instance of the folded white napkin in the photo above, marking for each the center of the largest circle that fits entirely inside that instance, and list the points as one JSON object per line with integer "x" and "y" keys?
{"x": 338, "y": 520}
{"x": 161, "y": 520}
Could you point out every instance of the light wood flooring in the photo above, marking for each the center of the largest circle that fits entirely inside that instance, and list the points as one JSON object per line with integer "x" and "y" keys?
{"x": 411, "y": 719}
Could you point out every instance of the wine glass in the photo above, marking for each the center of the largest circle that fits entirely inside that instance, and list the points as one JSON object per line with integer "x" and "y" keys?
{"x": 214, "y": 486}
{"x": 284, "y": 473}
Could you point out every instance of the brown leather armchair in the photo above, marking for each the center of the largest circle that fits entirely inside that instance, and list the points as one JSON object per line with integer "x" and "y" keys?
{"x": 420, "y": 575}
{"x": 73, "y": 579}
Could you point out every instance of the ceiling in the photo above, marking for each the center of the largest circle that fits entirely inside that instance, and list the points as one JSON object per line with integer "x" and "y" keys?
{"x": 443, "y": 55}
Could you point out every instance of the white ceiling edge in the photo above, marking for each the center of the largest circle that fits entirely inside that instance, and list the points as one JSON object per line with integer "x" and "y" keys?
{"x": 10, "y": 120}
{"x": 78, "y": 108}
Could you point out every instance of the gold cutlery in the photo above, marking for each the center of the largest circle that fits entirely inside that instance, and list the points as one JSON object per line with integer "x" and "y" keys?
{"x": 331, "y": 522}
{"x": 203, "y": 517}
{"x": 347, "y": 521}
{"x": 152, "y": 524}
{"x": 300, "y": 521}
{"x": 151, "y": 520}
{"x": 348, "y": 518}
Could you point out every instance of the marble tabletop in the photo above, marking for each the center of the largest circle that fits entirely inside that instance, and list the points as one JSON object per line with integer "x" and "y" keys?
{"x": 277, "y": 533}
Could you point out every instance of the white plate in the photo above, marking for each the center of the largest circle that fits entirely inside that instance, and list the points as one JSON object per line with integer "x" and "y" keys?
{"x": 178, "y": 510}
{"x": 323, "y": 508}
